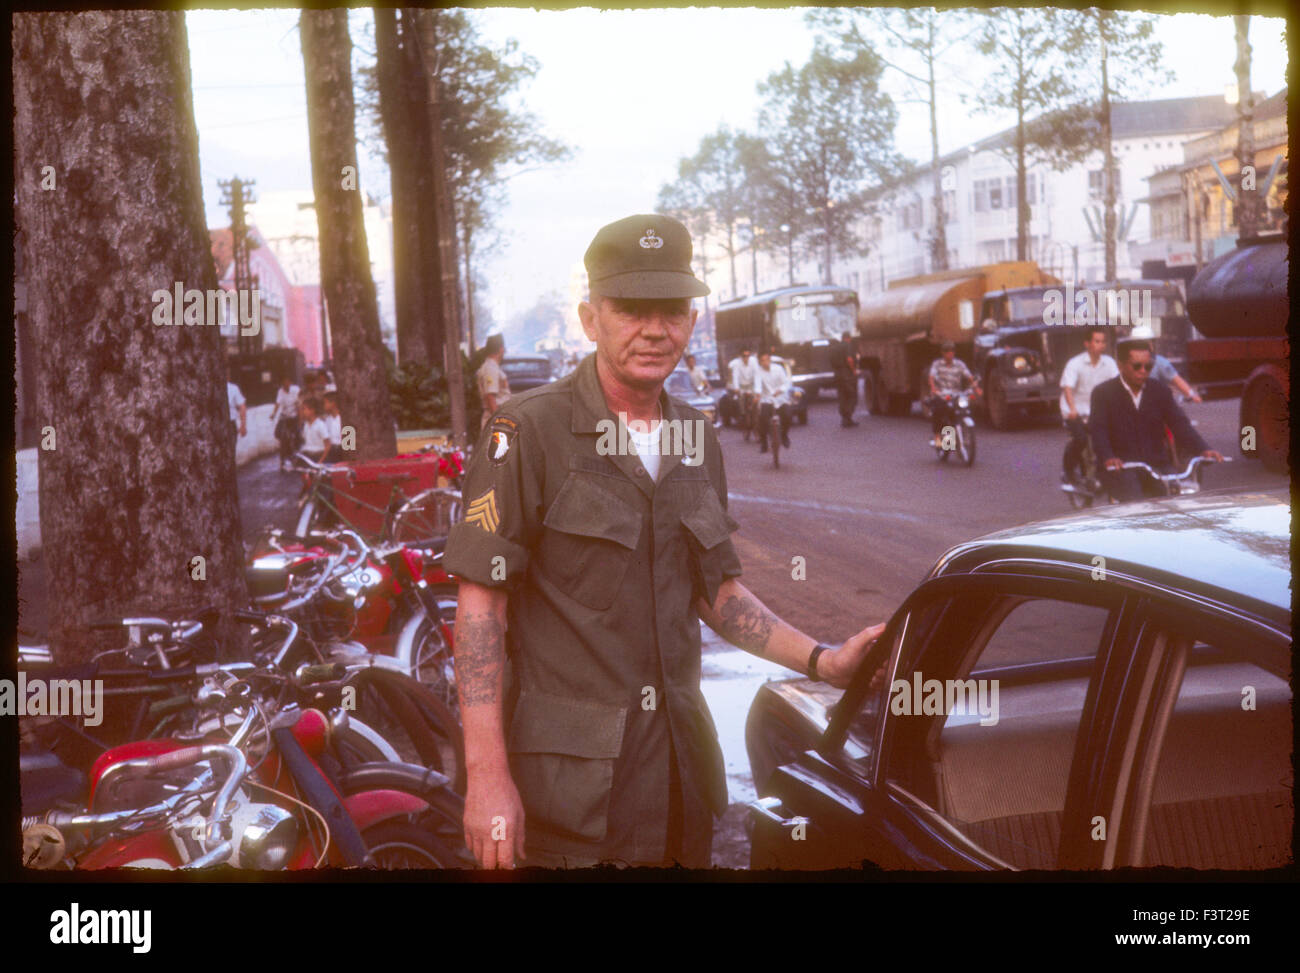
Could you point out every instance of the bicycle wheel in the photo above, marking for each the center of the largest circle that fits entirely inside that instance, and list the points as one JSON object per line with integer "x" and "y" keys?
{"x": 432, "y": 661}
{"x": 426, "y": 516}
{"x": 413, "y": 719}
{"x": 966, "y": 445}
{"x": 774, "y": 435}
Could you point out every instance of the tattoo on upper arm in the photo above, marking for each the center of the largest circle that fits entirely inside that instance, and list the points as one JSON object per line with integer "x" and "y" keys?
{"x": 479, "y": 655}
{"x": 746, "y": 623}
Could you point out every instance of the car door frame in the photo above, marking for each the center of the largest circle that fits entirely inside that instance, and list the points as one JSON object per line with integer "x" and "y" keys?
{"x": 947, "y": 847}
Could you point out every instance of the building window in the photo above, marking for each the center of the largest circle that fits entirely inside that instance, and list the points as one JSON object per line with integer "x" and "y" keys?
{"x": 950, "y": 206}
{"x": 995, "y": 194}
{"x": 981, "y": 195}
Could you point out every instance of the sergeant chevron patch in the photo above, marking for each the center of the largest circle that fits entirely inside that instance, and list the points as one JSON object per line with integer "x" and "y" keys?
{"x": 483, "y": 512}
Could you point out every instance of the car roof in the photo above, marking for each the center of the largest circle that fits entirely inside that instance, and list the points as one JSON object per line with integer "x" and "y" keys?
{"x": 527, "y": 358}
{"x": 1228, "y": 545}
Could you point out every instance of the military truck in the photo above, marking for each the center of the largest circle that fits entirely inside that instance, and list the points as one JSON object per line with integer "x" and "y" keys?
{"x": 900, "y": 329}
{"x": 1238, "y": 303}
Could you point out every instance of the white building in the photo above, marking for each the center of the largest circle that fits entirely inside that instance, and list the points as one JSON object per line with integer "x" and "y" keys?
{"x": 980, "y": 205}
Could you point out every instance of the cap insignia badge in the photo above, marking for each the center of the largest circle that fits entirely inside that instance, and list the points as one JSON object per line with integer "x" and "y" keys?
{"x": 650, "y": 241}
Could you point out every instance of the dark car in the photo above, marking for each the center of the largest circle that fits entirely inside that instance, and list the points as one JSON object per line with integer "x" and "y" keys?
{"x": 679, "y": 386}
{"x": 1092, "y": 692}
{"x": 526, "y": 372}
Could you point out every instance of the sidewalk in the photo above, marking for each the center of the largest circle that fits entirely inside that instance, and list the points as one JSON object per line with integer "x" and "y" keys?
{"x": 266, "y": 496}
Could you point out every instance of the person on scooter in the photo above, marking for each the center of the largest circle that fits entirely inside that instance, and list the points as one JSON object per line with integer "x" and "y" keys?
{"x": 948, "y": 375}
{"x": 773, "y": 393}
{"x": 1129, "y": 418}
{"x": 1081, "y": 374}
{"x": 742, "y": 382}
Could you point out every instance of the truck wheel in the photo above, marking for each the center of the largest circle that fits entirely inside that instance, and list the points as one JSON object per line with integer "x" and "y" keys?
{"x": 995, "y": 401}
{"x": 1264, "y": 405}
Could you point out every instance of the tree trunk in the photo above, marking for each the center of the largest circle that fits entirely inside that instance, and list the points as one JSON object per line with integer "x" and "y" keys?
{"x": 1023, "y": 212}
{"x": 426, "y": 213}
{"x": 344, "y": 256}
{"x": 1108, "y": 165}
{"x": 403, "y": 163}
{"x": 939, "y": 242}
{"x": 141, "y": 476}
{"x": 1248, "y": 201}
{"x": 447, "y": 261}
{"x": 469, "y": 288}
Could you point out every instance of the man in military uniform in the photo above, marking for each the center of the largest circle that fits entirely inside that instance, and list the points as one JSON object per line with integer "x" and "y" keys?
{"x": 585, "y": 569}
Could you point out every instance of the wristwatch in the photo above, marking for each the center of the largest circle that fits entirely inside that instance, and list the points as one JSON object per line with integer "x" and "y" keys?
{"x": 812, "y": 661}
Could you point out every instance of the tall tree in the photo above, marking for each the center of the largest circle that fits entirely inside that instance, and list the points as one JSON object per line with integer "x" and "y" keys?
{"x": 137, "y": 465}
{"x": 1120, "y": 49}
{"x": 921, "y": 39}
{"x": 1029, "y": 79}
{"x": 1249, "y": 204}
{"x": 830, "y": 132}
{"x": 485, "y": 141}
{"x": 419, "y": 339}
{"x": 345, "y": 257}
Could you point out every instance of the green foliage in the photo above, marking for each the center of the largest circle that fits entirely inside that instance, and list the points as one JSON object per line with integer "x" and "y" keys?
{"x": 418, "y": 393}
{"x": 829, "y": 129}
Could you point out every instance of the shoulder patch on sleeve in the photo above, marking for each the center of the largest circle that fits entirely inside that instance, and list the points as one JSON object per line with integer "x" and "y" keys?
{"x": 503, "y": 431}
{"x": 483, "y": 512}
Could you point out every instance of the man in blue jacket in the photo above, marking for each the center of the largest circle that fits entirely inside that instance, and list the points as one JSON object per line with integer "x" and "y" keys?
{"x": 1129, "y": 418}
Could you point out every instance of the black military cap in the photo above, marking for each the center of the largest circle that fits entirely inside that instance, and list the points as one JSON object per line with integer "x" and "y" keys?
{"x": 643, "y": 256}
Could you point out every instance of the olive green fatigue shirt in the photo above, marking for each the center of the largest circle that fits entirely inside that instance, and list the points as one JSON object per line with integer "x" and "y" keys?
{"x": 603, "y": 569}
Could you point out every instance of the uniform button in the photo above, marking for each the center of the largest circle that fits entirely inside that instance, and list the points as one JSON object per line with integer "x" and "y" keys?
{"x": 640, "y": 472}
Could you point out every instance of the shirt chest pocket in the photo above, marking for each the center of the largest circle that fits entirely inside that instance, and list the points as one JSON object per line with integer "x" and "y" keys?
{"x": 590, "y": 539}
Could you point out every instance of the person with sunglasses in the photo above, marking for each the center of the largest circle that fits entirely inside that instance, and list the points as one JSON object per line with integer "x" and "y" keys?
{"x": 1129, "y": 419}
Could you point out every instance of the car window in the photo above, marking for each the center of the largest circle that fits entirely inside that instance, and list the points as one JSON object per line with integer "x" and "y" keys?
{"x": 985, "y": 739}
{"x": 1221, "y": 796}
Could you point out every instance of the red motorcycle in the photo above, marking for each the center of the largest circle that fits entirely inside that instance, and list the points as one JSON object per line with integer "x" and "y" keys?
{"x": 385, "y": 604}
{"x": 200, "y": 799}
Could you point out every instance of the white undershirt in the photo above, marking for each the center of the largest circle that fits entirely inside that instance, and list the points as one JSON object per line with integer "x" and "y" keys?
{"x": 647, "y": 448}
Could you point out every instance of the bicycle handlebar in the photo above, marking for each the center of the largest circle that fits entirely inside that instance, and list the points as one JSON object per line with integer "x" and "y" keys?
{"x": 1171, "y": 477}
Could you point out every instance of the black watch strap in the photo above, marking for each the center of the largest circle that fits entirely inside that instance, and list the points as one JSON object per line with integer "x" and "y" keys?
{"x": 812, "y": 661}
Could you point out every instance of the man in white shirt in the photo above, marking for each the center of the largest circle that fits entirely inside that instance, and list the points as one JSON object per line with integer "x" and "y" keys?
{"x": 315, "y": 434}
{"x": 773, "y": 393}
{"x": 286, "y": 426}
{"x": 238, "y": 408}
{"x": 1082, "y": 373}
{"x": 333, "y": 428}
{"x": 493, "y": 386}
{"x": 742, "y": 383}
{"x": 696, "y": 372}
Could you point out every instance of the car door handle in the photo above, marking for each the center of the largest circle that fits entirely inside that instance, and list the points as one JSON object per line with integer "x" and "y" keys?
{"x": 765, "y": 808}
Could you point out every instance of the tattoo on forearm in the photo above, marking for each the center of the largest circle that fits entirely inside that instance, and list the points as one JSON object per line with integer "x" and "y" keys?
{"x": 479, "y": 655}
{"x": 746, "y": 623}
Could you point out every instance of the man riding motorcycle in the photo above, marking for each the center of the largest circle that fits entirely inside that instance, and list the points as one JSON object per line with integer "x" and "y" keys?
{"x": 773, "y": 393}
{"x": 948, "y": 375}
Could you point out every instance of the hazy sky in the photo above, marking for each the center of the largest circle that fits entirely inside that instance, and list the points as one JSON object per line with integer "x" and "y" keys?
{"x": 631, "y": 91}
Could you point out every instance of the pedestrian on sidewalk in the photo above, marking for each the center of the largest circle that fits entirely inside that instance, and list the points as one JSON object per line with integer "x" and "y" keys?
{"x": 333, "y": 427}
{"x": 238, "y": 409}
{"x": 286, "y": 425}
{"x": 844, "y": 362}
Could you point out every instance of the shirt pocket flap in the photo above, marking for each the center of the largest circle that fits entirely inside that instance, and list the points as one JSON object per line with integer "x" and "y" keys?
{"x": 589, "y": 510}
{"x": 709, "y": 522}
{"x": 543, "y": 723}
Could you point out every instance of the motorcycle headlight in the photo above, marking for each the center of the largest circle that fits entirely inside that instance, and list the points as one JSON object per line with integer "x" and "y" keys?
{"x": 268, "y": 837}
{"x": 963, "y": 402}
{"x": 1021, "y": 363}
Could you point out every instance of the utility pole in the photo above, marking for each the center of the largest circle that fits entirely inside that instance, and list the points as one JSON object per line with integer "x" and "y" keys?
{"x": 235, "y": 193}
{"x": 446, "y": 235}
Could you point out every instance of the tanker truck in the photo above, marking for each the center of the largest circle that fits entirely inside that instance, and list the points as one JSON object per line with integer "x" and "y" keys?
{"x": 901, "y": 328}
{"x": 1238, "y": 304}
